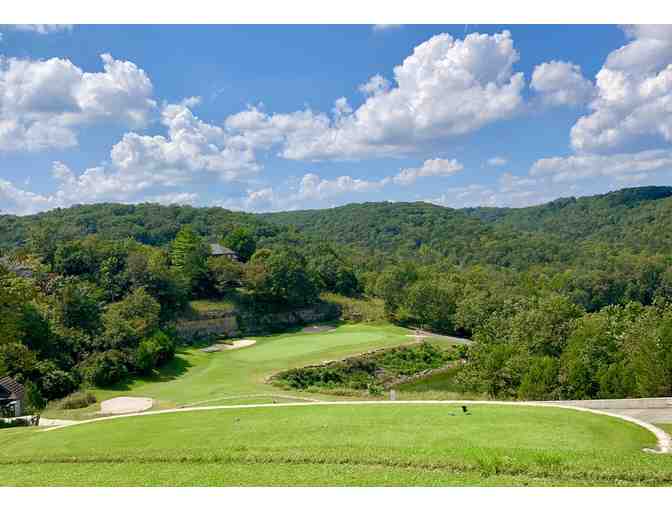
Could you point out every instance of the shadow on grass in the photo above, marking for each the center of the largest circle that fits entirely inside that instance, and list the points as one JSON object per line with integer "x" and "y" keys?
{"x": 175, "y": 368}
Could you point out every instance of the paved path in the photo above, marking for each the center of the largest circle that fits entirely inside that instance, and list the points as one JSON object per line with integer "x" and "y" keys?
{"x": 48, "y": 422}
{"x": 653, "y": 410}
{"x": 663, "y": 439}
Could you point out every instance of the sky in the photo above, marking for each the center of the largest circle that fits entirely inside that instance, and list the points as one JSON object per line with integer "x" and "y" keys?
{"x": 286, "y": 117}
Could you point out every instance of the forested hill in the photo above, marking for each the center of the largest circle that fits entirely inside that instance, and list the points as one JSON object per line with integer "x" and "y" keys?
{"x": 635, "y": 219}
{"x": 151, "y": 224}
{"x": 639, "y": 219}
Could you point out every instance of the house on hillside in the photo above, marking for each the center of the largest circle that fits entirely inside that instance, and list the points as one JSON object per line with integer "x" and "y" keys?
{"x": 217, "y": 250}
{"x": 12, "y": 397}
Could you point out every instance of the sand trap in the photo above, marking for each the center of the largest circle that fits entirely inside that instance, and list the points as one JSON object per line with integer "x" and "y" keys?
{"x": 236, "y": 344}
{"x": 123, "y": 405}
{"x": 318, "y": 329}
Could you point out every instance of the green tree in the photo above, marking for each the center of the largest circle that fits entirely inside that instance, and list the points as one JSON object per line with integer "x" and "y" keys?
{"x": 241, "y": 240}
{"x": 224, "y": 273}
{"x": 135, "y": 317}
{"x": 189, "y": 255}
{"x": 281, "y": 277}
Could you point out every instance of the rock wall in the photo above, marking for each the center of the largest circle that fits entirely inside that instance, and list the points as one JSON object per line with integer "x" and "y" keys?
{"x": 239, "y": 323}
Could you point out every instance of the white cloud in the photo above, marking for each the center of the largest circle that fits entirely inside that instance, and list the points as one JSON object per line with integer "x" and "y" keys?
{"x": 377, "y": 84}
{"x": 634, "y": 95}
{"x": 313, "y": 186}
{"x": 561, "y": 83}
{"x": 179, "y": 198}
{"x": 143, "y": 166}
{"x": 44, "y": 102}
{"x": 43, "y": 29}
{"x": 430, "y": 168}
{"x": 17, "y": 201}
{"x": 497, "y": 161}
{"x": 446, "y": 88}
{"x": 191, "y": 146}
{"x": 618, "y": 166}
{"x": 381, "y": 27}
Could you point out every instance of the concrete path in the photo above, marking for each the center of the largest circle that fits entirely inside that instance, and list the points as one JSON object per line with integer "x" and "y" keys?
{"x": 48, "y": 422}
{"x": 653, "y": 410}
{"x": 663, "y": 439}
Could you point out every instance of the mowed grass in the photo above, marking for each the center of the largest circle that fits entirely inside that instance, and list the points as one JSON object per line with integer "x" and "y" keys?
{"x": 195, "y": 377}
{"x": 390, "y": 444}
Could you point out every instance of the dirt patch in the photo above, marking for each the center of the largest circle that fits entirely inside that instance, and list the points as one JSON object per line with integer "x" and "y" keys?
{"x": 318, "y": 329}
{"x": 123, "y": 405}
{"x": 236, "y": 344}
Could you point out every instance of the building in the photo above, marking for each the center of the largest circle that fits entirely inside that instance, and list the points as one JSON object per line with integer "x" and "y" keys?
{"x": 12, "y": 397}
{"x": 217, "y": 250}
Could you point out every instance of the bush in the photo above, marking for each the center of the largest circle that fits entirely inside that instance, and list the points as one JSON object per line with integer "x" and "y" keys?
{"x": 76, "y": 400}
{"x": 153, "y": 352}
{"x": 55, "y": 383}
{"x": 104, "y": 368}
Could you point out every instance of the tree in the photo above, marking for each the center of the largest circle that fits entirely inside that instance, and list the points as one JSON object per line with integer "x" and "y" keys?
{"x": 104, "y": 368}
{"x": 16, "y": 360}
{"x": 189, "y": 255}
{"x": 77, "y": 305}
{"x": 331, "y": 273}
{"x": 129, "y": 320}
{"x": 430, "y": 304}
{"x": 224, "y": 273}
{"x": 391, "y": 285}
{"x": 15, "y": 293}
{"x": 242, "y": 242}
{"x": 281, "y": 277}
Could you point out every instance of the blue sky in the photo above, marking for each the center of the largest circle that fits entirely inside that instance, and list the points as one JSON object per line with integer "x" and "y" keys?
{"x": 288, "y": 117}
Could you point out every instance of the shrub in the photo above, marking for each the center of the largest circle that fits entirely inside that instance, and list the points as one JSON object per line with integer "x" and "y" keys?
{"x": 76, "y": 400}
{"x": 104, "y": 368}
{"x": 55, "y": 383}
{"x": 153, "y": 352}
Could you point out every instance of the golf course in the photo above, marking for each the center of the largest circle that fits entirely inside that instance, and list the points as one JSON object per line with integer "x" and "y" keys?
{"x": 344, "y": 443}
{"x": 195, "y": 377}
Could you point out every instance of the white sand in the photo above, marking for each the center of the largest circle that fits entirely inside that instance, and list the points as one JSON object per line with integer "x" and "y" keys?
{"x": 123, "y": 405}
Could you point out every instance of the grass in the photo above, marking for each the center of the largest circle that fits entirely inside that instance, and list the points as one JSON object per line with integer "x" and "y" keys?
{"x": 340, "y": 445}
{"x": 195, "y": 377}
{"x": 204, "y": 305}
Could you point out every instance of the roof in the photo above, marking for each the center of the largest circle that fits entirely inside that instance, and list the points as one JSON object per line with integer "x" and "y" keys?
{"x": 218, "y": 249}
{"x": 10, "y": 389}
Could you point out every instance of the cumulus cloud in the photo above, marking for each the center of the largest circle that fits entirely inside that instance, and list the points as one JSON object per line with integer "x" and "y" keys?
{"x": 44, "y": 102}
{"x": 142, "y": 167}
{"x": 178, "y": 198}
{"x": 312, "y": 186}
{"x": 560, "y": 83}
{"x": 430, "y": 168}
{"x": 619, "y": 166}
{"x": 190, "y": 146}
{"x": 633, "y": 95}
{"x": 446, "y": 88}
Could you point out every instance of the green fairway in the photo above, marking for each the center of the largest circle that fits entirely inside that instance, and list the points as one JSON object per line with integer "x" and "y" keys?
{"x": 405, "y": 444}
{"x": 237, "y": 376}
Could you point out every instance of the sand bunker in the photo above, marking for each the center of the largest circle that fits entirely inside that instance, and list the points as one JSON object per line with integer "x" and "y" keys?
{"x": 318, "y": 329}
{"x": 123, "y": 405}
{"x": 236, "y": 344}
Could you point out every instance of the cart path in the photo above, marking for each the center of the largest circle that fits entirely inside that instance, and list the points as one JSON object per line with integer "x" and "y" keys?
{"x": 664, "y": 441}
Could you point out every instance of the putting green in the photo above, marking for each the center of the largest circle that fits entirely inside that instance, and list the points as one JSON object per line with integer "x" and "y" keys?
{"x": 410, "y": 444}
